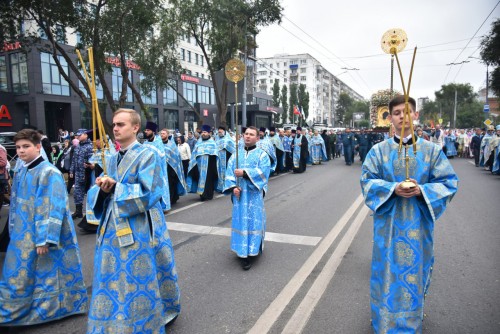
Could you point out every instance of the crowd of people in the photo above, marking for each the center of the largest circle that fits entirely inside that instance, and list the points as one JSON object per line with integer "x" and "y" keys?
{"x": 131, "y": 183}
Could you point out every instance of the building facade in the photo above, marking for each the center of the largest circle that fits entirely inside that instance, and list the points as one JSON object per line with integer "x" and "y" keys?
{"x": 323, "y": 87}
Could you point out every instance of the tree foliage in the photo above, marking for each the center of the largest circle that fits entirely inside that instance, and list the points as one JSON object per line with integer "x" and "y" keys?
{"x": 303, "y": 101}
{"x": 293, "y": 101}
{"x": 221, "y": 28}
{"x": 276, "y": 100}
{"x": 343, "y": 104}
{"x": 490, "y": 53}
{"x": 284, "y": 102}
{"x": 469, "y": 109}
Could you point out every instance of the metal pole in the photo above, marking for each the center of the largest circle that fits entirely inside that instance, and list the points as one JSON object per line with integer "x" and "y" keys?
{"x": 455, "y": 111}
{"x": 232, "y": 115}
{"x": 244, "y": 96}
{"x": 486, "y": 114}
{"x": 392, "y": 74}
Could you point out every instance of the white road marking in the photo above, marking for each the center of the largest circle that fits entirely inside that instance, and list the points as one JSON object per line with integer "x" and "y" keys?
{"x": 274, "y": 310}
{"x": 472, "y": 162}
{"x": 184, "y": 208}
{"x": 303, "y": 312}
{"x": 226, "y": 231}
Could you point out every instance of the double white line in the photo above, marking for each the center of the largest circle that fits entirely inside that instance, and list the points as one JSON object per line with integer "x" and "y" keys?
{"x": 303, "y": 312}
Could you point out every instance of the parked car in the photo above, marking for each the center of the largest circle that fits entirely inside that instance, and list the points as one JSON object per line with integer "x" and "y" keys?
{"x": 7, "y": 141}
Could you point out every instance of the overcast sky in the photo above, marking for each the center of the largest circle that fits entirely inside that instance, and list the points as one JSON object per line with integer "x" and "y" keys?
{"x": 348, "y": 34}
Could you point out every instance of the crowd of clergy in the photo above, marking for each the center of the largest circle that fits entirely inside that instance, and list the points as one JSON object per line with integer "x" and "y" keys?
{"x": 134, "y": 184}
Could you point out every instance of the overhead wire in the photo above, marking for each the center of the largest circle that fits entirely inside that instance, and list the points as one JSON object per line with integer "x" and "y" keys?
{"x": 470, "y": 40}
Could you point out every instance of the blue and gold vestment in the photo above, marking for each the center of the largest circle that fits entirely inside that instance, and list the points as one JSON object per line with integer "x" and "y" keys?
{"x": 249, "y": 215}
{"x": 225, "y": 147}
{"x": 199, "y": 159}
{"x": 318, "y": 150}
{"x": 403, "y": 253}
{"x": 135, "y": 286}
{"x": 40, "y": 288}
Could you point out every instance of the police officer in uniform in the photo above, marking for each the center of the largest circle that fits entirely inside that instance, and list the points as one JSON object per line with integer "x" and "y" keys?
{"x": 79, "y": 169}
{"x": 363, "y": 144}
{"x": 348, "y": 143}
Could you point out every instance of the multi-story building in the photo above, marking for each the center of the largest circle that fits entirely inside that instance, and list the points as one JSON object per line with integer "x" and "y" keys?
{"x": 323, "y": 87}
{"x": 32, "y": 91}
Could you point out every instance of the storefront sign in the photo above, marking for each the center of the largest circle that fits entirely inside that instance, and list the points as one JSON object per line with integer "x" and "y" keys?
{"x": 11, "y": 46}
{"x": 5, "y": 117}
{"x": 185, "y": 77}
{"x": 116, "y": 62}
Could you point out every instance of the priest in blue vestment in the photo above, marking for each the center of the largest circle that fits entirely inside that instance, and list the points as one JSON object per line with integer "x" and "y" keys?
{"x": 276, "y": 141}
{"x": 135, "y": 286}
{"x": 300, "y": 151}
{"x": 225, "y": 148}
{"x": 175, "y": 171}
{"x": 318, "y": 150}
{"x": 154, "y": 142}
{"x": 404, "y": 218}
{"x": 247, "y": 184}
{"x": 42, "y": 277}
{"x": 265, "y": 144}
{"x": 203, "y": 171}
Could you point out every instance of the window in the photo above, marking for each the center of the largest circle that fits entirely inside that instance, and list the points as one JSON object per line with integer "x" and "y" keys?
{"x": 302, "y": 70}
{"x": 277, "y": 72}
{"x": 183, "y": 54}
{"x": 3, "y": 75}
{"x": 52, "y": 81}
{"x": 189, "y": 57}
{"x": 19, "y": 72}
{"x": 212, "y": 96}
{"x": 271, "y": 65}
{"x": 170, "y": 95}
{"x": 303, "y": 78}
{"x": 285, "y": 72}
{"x": 277, "y": 64}
{"x": 190, "y": 92}
{"x": 284, "y": 63}
{"x": 99, "y": 90}
{"x": 196, "y": 58}
{"x": 285, "y": 80}
{"x": 60, "y": 34}
{"x": 303, "y": 61}
{"x": 202, "y": 60}
{"x": 203, "y": 76}
{"x": 149, "y": 97}
{"x": 154, "y": 115}
{"x": 262, "y": 72}
{"x": 196, "y": 74}
{"x": 293, "y": 62}
{"x": 171, "y": 119}
{"x": 203, "y": 94}
{"x": 116, "y": 82}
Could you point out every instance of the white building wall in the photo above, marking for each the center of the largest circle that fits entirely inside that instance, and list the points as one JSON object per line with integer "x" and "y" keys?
{"x": 323, "y": 86}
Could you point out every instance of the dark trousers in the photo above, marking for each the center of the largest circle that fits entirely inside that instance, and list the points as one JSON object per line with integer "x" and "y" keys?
{"x": 348, "y": 154}
{"x": 363, "y": 150}
{"x": 476, "y": 153}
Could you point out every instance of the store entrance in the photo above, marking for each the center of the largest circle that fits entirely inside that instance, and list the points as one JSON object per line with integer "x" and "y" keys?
{"x": 57, "y": 116}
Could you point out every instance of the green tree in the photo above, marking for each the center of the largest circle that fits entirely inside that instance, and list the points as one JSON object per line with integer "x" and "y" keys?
{"x": 293, "y": 100}
{"x": 284, "y": 103}
{"x": 276, "y": 100}
{"x": 343, "y": 104}
{"x": 430, "y": 113}
{"x": 470, "y": 115}
{"x": 131, "y": 38}
{"x": 221, "y": 28}
{"x": 303, "y": 101}
{"x": 490, "y": 53}
{"x": 445, "y": 99}
{"x": 362, "y": 107}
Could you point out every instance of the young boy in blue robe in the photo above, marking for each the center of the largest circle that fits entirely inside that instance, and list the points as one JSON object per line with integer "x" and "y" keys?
{"x": 135, "y": 286}
{"x": 404, "y": 218}
{"x": 247, "y": 184}
{"x": 42, "y": 276}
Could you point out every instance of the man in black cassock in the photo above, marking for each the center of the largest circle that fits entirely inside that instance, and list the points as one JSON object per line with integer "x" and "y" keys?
{"x": 304, "y": 150}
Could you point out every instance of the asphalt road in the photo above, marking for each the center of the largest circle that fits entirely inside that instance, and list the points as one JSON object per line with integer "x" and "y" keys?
{"x": 313, "y": 276}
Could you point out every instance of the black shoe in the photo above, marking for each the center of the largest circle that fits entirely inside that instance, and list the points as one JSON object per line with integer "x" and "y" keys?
{"x": 246, "y": 263}
{"x": 76, "y": 215}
